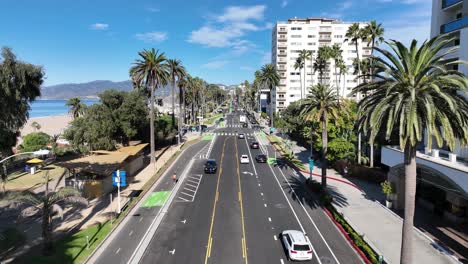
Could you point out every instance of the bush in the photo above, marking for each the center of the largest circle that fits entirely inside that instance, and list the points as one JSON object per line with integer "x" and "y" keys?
{"x": 35, "y": 141}
{"x": 375, "y": 175}
{"x": 264, "y": 115}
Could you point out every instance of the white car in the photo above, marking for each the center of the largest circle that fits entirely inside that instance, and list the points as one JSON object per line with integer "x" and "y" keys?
{"x": 297, "y": 245}
{"x": 244, "y": 159}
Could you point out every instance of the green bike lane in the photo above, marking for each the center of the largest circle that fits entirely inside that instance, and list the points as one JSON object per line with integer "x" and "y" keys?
{"x": 122, "y": 245}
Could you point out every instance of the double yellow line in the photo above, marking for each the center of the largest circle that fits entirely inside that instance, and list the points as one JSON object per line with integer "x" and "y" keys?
{"x": 243, "y": 241}
{"x": 210, "y": 238}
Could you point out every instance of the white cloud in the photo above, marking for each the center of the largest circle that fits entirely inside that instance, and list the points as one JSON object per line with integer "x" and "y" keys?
{"x": 99, "y": 26}
{"x": 345, "y": 5}
{"x": 242, "y": 13}
{"x": 339, "y": 10}
{"x": 216, "y": 64}
{"x": 228, "y": 29}
{"x": 284, "y": 3}
{"x": 154, "y": 37}
{"x": 266, "y": 58}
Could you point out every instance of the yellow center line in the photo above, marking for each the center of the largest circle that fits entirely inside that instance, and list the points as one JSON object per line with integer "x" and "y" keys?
{"x": 210, "y": 239}
{"x": 243, "y": 241}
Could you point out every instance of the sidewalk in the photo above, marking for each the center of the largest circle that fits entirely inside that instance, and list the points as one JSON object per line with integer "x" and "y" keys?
{"x": 360, "y": 203}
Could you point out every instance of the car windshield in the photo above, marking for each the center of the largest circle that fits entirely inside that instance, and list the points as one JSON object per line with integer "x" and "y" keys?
{"x": 302, "y": 247}
{"x": 211, "y": 163}
{"x": 261, "y": 156}
{"x": 244, "y": 156}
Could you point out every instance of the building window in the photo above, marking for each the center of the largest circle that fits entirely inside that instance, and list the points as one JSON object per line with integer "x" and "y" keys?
{"x": 282, "y": 28}
{"x": 295, "y": 36}
{"x": 311, "y": 36}
{"x": 325, "y": 28}
{"x": 281, "y": 95}
{"x": 295, "y": 43}
{"x": 311, "y": 43}
{"x": 282, "y": 36}
{"x": 338, "y": 36}
{"x": 296, "y": 28}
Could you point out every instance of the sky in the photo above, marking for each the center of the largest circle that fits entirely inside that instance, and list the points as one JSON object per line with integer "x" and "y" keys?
{"x": 219, "y": 41}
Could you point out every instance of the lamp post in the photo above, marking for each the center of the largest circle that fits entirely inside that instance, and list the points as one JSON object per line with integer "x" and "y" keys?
{"x": 118, "y": 191}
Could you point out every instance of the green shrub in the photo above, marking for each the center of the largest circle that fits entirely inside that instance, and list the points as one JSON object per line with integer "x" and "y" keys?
{"x": 34, "y": 142}
{"x": 375, "y": 175}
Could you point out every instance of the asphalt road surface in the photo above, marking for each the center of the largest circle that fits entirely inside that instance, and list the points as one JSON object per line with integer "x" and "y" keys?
{"x": 236, "y": 215}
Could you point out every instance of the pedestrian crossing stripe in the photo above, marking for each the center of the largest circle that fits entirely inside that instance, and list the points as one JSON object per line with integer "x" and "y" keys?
{"x": 230, "y": 134}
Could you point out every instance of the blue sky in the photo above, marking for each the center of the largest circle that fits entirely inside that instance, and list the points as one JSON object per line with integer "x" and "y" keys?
{"x": 219, "y": 41}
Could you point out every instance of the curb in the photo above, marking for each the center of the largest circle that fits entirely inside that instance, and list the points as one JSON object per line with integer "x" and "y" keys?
{"x": 346, "y": 235}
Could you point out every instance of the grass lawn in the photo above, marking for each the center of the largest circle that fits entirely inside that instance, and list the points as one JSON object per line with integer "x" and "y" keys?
{"x": 25, "y": 180}
{"x": 71, "y": 249}
{"x": 213, "y": 118}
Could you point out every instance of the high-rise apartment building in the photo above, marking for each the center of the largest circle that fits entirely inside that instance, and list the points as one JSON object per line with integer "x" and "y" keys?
{"x": 451, "y": 17}
{"x": 289, "y": 38}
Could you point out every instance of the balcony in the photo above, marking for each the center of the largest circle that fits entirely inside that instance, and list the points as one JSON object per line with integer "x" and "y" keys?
{"x": 282, "y": 45}
{"x": 282, "y": 54}
{"x": 454, "y": 25}
{"x": 450, "y": 3}
{"x": 282, "y": 30}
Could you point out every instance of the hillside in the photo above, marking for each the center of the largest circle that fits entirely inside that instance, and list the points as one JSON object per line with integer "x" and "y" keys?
{"x": 89, "y": 89}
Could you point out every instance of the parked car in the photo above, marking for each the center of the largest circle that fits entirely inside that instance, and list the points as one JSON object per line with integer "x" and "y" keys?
{"x": 210, "y": 166}
{"x": 254, "y": 145}
{"x": 261, "y": 158}
{"x": 297, "y": 245}
{"x": 241, "y": 136}
{"x": 245, "y": 125}
{"x": 244, "y": 159}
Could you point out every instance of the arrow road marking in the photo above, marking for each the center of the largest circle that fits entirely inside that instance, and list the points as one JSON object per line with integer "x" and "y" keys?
{"x": 172, "y": 251}
{"x": 247, "y": 172}
{"x": 185, "y": 220}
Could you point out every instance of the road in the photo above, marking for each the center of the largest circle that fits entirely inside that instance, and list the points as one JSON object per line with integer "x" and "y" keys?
{"x": 236, "y": 215}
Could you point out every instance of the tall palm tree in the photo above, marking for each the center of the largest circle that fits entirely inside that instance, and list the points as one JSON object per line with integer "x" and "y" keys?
{"x": 343, "y": 71}
{"x": 257, "y": 83}
{"x": 299, "y": 64}
{"x": 270, "y": 78}
{"x": 182, "y": 84}
{"x": 46, "y": 204}
{"x": 354, "y": 34}
{"x": 321, "y": 104}
{"x": 320, "y": 64}
{"x": 414, "y": 93}
{"x": 176, "y": 71}
{"x": 150, "y": 72}
{"x": 373, "y": 33}
{"x": 336, "y": 55}
{"x": 304, "y": 55}
{"x": 76, "y": 107}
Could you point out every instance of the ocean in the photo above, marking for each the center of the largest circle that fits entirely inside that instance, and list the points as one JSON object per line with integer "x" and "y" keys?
{"x": 40, "y": 108}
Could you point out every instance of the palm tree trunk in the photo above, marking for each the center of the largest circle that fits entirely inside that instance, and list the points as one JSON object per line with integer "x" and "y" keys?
{"x": 410, "y": 193}
{"x": 179, "y": 123}
{"x": 271, "y": 108}
{"x": 359, "y": 148}
{"x": 46, "y": 231}
{"x": 173, "y": 101}
{"x": 371, "y": 158}
{"x": 324, "y": 150}
{"x": 153, "y": 157}
{"x": 337, "y": 86}
{"x": 300, "y": 76}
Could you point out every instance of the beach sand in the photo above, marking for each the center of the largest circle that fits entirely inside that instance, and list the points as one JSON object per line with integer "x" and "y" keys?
{"x": 51, "y": 125}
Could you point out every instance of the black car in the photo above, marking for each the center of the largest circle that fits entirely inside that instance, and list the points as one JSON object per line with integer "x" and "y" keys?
{"x": 245, "y": 125}
{"x": 254, "y": 145}
{"x": 261, "y": 158}
{"x": 210, "y": 166}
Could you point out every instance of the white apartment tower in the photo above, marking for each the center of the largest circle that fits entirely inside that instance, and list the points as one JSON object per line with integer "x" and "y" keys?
{"x": 451, "y": 17}
{"x": 289, "y": 38}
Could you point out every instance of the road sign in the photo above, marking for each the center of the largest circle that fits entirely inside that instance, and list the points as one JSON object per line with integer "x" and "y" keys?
{"x": 123, "y": 178}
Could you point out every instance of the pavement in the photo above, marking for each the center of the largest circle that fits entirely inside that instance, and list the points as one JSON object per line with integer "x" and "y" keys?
{"x": 235, "y": 215}
{"x": 361, "y": 205}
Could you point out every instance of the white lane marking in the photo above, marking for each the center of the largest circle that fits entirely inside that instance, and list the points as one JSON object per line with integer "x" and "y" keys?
{"x": 261, "y": 194}
{"x": 190, "y": 190}
{"x": 187, "y": 194}
{"x": 250, "y": 154}
{"x": 275, "y": 238}
{"x": 191, "y": 185}
{"x": 172, "y": 251}
{"x": 196, "y": 177}
{"x": 310, "y": 218}
{"x": 208, "y": 154}
{"x": 184, "y": 199}
{"x": 259, "y": 185}
{"x": 265, "y": 205}
{"x": 292, "y": 209}
{"x": 130, "y": 234}
{"x": 185, "y": 220}
{"x": 117, "y": 251}
{"x": 192, "y": 181}
{"x": 269, "y": 219}
{"x": 281, "y": 260}
{"x": 141, "y": 219}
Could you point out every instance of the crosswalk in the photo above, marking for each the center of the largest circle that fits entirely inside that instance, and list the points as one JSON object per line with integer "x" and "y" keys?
{"x": 229, "y": 134}
{"x": 230, "y": 125}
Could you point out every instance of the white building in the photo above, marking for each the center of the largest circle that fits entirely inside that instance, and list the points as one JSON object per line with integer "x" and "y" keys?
{"x": 289, "y": 38}
{"x": 442, "y": 185}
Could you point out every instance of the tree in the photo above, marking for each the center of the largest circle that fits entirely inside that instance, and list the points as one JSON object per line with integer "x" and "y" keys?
{"x": 299, "y": 64}
{"x": 373, "y": 32}
{"x": 414, "y": 92}
{"x": 34, "y": 141}
{"x": 304, "y": 55}
{"x": 321, "y": 61}
{"x": 36, "y": 126}
{"x": 321, "y": 104}
{"x": 176, "y": 71}
{"x": 150, "y": 72}
{"x": 343, "y": 71}
{"x": 46, "y": 204}
{"x": 336, "y": 55}
{"x": 270, "y": 78}
{"x": 77, "y": 108}
{"x": 182, "y": 83}
{"x": 20, "y": 84}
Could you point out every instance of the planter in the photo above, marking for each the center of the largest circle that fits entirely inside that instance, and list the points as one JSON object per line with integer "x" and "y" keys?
{"x": 388, "y": 204}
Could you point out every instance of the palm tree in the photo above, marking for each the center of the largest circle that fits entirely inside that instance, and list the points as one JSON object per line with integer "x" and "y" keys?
{"x": 321, "y": 104}
{"x": 269, "y": 77}
{"x": 336, "y": 55}
{"x": 304, "y": 55}
{"x": 299, "y": 64}
{"x": 150, "y": 72}
{"x": 46, "y": 204}
{"x": 257, "y": 83}
{"x": 176, "y": 70}
{"x": 343, "y": 71}
{"x": 76, "y": 107}
{"x": 182, "y": 84}
{"x": 414, "y": 93}
{"x": 36, "y": 126}
{"x": 354, "y": 34}
{"x": 373, "y": 32}
{"x": 320, "y": 64}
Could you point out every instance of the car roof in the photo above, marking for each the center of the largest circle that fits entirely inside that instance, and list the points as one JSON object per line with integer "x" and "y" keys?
{"x": 261, "y": 155}
{"x": 244, "y": 156}
{"x": 296, "y": 236}
{"x": 211, "y": 160}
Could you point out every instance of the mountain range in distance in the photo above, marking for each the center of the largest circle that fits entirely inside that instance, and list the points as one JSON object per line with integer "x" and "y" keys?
{"x": 91, "y": 90}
